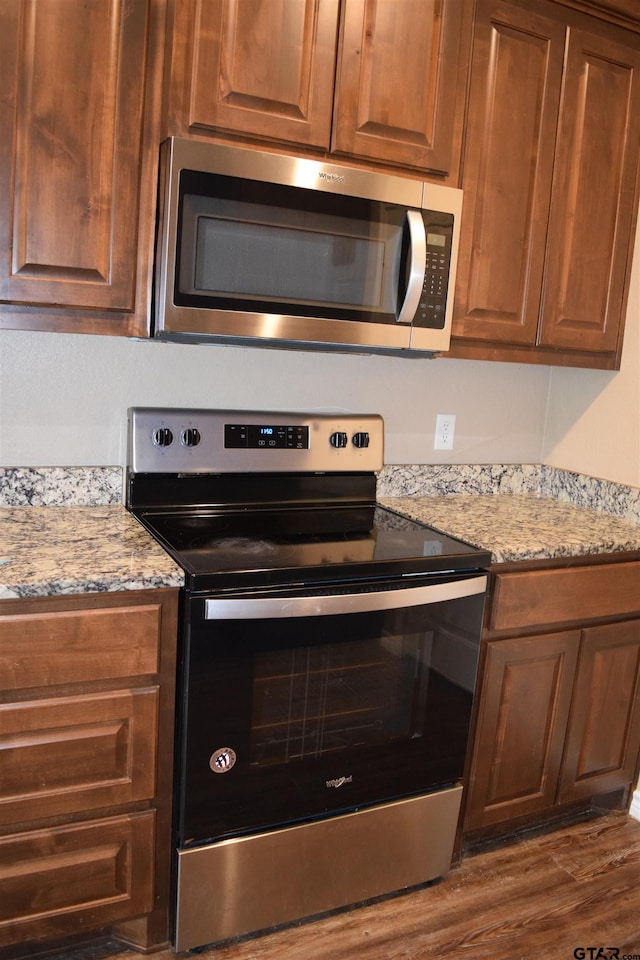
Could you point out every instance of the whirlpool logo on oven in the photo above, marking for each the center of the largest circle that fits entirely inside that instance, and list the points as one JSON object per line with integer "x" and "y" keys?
{"x": 338, "y": 782}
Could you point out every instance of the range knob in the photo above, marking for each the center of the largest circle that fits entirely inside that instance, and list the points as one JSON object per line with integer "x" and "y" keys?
{"x": 360, "y": 440}
{"x": 162, "y": 437}
{"x": 338, "y": 439}
{"x": 190, "y": 437}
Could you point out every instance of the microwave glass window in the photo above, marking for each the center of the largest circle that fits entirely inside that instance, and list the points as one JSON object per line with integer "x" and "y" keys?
{"x": 287, "y": 263}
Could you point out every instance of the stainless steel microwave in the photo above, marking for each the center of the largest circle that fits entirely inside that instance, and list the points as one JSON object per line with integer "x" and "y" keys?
{"x": 272, "y": 250}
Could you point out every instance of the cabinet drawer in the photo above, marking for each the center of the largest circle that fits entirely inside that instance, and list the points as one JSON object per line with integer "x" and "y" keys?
{"x": 56, "y": 882}
{"x": 540, "y": 597}
{"x": 66, "y": 647}
{"x": 68, "y": 754}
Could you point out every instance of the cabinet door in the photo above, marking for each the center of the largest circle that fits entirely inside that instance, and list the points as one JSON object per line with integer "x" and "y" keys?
{"x": 516, "y": 76}
{"x": 401, "y": 80}
{"x": 73, "y": 79}
{"x": 590, "y": 239}
{"x": 261, "y": 68}
{"x": 603, "y": 738}
{"x": 524, "y": 705}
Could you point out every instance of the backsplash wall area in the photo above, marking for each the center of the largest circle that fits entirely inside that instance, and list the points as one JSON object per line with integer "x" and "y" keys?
{"x": 64, "y": 398}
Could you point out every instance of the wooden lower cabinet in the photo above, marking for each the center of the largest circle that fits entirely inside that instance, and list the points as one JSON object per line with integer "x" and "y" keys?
{"x": 66, "y": 879}
{"x": 603, "y": 737}
{"x": 558, "y": 714}
{"x": 86, "y": 742}
{"x": 525, "y": 697}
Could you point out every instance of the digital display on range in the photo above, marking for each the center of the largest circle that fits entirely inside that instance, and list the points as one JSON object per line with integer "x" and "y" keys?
{"x": 265, "y": 436}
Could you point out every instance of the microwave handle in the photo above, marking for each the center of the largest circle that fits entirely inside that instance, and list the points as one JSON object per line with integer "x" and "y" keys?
{"x": 417, "y": 266}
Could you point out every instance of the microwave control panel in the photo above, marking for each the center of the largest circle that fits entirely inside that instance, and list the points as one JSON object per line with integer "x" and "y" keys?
{"x": 433, "y": 302}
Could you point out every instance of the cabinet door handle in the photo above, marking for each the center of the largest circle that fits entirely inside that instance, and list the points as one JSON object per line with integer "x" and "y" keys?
{"x": 417, "y": 266}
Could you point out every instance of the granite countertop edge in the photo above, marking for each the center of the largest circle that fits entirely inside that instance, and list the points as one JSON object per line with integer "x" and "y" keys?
{"x": 63, "y": 550}
{"x": 519, "y": 527}
{"x": 66, "y": 531}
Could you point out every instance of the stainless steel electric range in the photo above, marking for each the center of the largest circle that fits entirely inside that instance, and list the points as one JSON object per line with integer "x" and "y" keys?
{"x": 328, "y": 655}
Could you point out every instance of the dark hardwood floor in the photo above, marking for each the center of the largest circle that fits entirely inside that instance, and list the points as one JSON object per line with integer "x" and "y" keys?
{"x": 544, "y": 896}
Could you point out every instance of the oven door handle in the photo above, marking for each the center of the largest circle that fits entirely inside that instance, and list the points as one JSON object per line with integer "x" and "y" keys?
{"x": 268, "y": 608}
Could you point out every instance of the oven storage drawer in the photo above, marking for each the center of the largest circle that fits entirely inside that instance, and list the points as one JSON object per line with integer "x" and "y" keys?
{"x": 318, "y": 866}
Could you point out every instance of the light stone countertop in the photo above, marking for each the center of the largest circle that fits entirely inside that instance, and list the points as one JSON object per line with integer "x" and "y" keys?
{"x": 65, "y": 531}
{"x": 46, "y": 551}
{"x": 521, "y": 526}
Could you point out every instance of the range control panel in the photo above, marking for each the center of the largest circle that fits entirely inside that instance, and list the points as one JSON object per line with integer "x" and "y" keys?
{"x": 167, "y": 440}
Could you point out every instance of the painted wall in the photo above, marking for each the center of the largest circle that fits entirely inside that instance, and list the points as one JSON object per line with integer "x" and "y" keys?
{"x": 63, "y": 398}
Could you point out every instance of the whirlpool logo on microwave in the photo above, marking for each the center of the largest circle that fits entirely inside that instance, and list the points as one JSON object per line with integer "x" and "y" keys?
{"x": 331, "y": 177}
{"x": 338, "y": 782}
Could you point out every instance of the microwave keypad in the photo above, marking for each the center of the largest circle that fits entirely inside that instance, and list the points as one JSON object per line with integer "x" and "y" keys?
{"x": 432, "y": 307}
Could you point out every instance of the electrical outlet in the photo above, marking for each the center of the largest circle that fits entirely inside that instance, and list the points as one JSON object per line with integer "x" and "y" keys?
{"x": 445, "y": 430}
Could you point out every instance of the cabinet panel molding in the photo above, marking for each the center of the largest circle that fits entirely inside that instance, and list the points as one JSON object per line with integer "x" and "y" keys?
{"x": 525, "y": 701}
{"x": 603, "y": 738}
{"x": 74, "y": 169}
{"x": 592, "y": 210}
{"x": 536, "y": 597}
{"x": 258, "y": 67}
{"x": 511, "y": 127}
{"x": 87, "y": 714}
{"x": 398, "y": 81}
{"x": 66, "y": 647}
{"x": 73, "y": 877}
{"x": 69, "y": 754}
{"x": 550, "y": 174}
{"x": 80, "y": 119}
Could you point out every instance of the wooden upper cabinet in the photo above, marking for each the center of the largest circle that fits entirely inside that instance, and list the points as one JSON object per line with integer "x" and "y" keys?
{"x": 374, "y": 79}
{"x": 549, "y": 174}
{"x": 262, "y": 68}
{"x": 593, "y": 197}
{"x": 400, "y": 78}
{"x": 511, "y": 127}
{"x": 77, "y": 160}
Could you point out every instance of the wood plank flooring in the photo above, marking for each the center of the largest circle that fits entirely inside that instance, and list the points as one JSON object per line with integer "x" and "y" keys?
{"x": 540, "y": 897}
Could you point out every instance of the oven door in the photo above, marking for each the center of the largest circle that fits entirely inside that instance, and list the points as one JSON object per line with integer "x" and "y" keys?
{"x": 298, "y": 706}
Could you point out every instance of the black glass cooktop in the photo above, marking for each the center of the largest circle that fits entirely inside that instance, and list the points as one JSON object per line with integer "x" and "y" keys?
{"x": 304, "y": 545}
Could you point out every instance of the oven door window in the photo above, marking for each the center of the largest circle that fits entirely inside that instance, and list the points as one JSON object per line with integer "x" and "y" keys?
{"x": 289, "y": 719}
